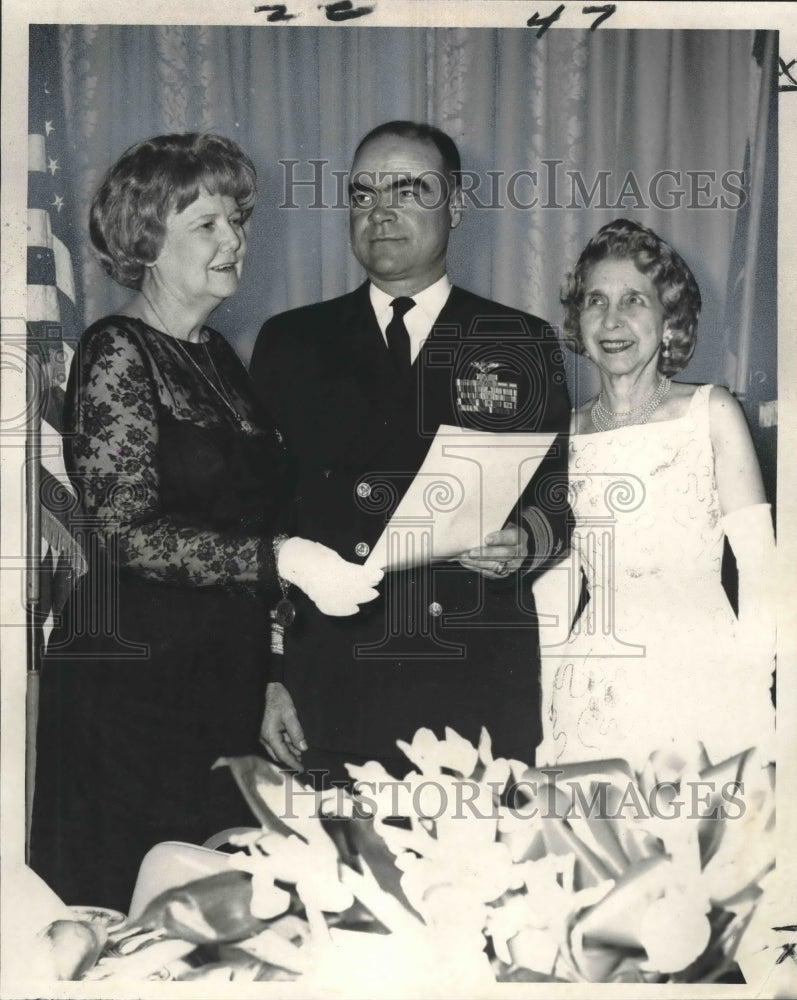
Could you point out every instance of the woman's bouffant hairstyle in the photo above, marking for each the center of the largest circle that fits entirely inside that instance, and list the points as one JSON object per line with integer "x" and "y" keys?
{"x": 165, "y": 174}
{"x": 675, "y": 283}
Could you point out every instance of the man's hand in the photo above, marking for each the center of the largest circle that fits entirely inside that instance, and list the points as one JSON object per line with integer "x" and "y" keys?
{"x": 503, "y": 553}
{"x": 280, "y": 732}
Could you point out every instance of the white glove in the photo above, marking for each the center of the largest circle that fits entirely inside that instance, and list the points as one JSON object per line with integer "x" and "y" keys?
{"x": 335, "y": 586}
{"x": 749, "y": 532}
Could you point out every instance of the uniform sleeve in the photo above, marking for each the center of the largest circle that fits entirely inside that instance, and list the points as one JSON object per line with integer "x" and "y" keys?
{"x": 273, "y": 373}
{"x": 543, "y": 509}
{"x": 113, "y": 458}
{"x": 259, "y": 364}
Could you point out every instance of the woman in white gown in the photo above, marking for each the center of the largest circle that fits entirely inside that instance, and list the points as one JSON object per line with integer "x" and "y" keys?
{"x": 660, "y": 473}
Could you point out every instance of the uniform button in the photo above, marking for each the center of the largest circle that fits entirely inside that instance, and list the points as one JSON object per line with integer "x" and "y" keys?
{"x": 363, "y": 490}
{"x": 435, "y": 609}
{"x": 362, "y": 549}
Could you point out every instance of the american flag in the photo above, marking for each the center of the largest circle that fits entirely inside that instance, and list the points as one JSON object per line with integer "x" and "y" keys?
{"x": 53, "y": 328}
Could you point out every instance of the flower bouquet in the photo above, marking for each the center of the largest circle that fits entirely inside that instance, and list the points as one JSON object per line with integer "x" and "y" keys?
{"x": 474, "y": 870}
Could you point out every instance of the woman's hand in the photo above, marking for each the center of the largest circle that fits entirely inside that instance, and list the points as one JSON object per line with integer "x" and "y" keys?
{"x": 335, "y": 586}
{"x": 752, "y": 538}
{"x": 503, "y": 553}
{"x": 281, "y": 732}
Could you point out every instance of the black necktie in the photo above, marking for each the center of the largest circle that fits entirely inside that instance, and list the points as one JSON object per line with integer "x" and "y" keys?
{"x": 398, "y": 340}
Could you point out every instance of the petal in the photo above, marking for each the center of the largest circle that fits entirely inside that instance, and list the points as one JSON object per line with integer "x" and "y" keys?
{"x": 673, "y": 935}
{"x": 422, "y": 751}
{"x": 458, "y": 754}
{"x": 268, "y": 900}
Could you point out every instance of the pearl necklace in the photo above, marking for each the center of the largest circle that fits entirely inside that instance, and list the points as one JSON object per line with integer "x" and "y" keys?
{"x": 605, "y": 419}
{"x": 219, "y": 389}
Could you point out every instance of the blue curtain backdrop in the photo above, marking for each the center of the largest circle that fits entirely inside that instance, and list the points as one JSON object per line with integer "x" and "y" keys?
{"x": 616, "y": 108}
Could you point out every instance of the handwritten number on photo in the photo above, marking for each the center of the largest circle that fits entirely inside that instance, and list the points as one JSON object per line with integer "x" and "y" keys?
{"x": 345, "y": 11}
{"x": 606, "y": 10}
{"x": 788, "y": 950}
{"x": 784, "y": 70}
{"x": 342, "y": 10}
{"x": 544, "y": 23}
{"x": 279, "y": 12}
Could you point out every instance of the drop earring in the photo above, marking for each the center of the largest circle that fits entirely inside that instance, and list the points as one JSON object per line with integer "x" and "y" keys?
{"x": 665, "y": 349}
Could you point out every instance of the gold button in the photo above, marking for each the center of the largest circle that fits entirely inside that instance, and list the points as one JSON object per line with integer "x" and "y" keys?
{"x": 435, "y": 609}
{"x": 363, "y": 490}
{"x": 362, "y": 549}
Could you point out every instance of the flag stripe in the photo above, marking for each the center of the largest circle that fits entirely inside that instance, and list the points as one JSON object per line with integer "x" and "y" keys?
{"x": 40, "y": 234}
{"x": 64, "y": 277}
{"x": 37, "y": 161}
{"x": 43, "y": 304}
{"x": 53, "y": 318}
{"x": 52, "y": 429}
{"x": 40, "y": 193}
{"x": 41, "y": 266}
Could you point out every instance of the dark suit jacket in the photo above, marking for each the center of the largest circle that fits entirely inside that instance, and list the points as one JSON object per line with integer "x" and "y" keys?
{"x": 442, "y": 646}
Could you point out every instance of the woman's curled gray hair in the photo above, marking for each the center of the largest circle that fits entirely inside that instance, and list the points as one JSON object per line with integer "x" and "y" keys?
{"x": 164, "y": 174}
{"x": 678, "y": 293}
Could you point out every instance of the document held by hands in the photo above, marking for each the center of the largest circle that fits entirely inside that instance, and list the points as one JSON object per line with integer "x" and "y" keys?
{"x": 467, "y": 486}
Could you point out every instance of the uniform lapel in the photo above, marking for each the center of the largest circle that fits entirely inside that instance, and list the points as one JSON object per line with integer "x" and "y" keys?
{"x": 396, "y": 408}
{"x": 370, "y": 356}
{"x": 362, "y": 337}
{"x": 437, "y": 360}
{"x": 363, "y": 398}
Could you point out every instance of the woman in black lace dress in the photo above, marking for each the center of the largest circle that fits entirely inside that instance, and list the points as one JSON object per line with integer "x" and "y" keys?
{"x": 161, "y": 661}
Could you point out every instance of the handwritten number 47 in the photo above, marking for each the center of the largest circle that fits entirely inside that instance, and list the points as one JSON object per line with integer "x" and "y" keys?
{"x": 544, "y": 23}
{"x": 345, "y": 10}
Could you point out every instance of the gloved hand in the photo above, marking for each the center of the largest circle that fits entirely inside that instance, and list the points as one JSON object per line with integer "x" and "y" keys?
{"x": 335, "y": 586}
{"x": 749, "y": 532}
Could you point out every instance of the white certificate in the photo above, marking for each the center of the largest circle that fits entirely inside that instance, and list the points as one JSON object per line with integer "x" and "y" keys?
{"x": 466, "y": 487}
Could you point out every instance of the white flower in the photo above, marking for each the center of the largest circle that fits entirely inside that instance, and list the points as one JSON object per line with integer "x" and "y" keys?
{"x": 536, "y": 922}
{"x": 379, "y": 793}
{"x": 480, "y": 875}
{"x": 312, "y": 867}
{"x": 268, "y": 900}
{"x": 674, "y": 931}
{"x": 432, "y": 755}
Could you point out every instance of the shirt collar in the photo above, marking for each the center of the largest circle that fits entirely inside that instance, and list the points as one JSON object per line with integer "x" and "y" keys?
{"x": 431, "y": 301}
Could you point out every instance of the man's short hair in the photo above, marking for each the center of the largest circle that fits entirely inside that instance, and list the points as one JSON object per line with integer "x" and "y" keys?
{"x": 424, "y": 132}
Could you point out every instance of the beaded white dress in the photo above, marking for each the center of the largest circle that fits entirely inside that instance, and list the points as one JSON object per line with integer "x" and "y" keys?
{"x": 653, "y": 661}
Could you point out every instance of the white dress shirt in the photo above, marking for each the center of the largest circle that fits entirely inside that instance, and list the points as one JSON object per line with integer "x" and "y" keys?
{"x": 420, "y": 319}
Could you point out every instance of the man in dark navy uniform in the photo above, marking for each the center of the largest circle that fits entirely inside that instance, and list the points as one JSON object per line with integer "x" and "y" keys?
{"x": 359, "y": 386}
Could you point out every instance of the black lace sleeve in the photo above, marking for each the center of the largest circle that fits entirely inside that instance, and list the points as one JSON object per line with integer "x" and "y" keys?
{"x": 115, "y": 406}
